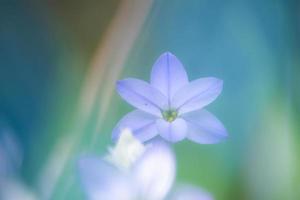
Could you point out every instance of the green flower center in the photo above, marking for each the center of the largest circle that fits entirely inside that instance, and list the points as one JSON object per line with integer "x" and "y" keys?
{"x": 169, "y": 115}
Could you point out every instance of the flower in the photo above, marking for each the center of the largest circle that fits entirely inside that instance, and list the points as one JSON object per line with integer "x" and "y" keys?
{"x": 126, "y": 151}
{"x": 171, "y": 106}
{"x": 149, "y": 177}
{"x": 189, "y": 192}
{"x": 11, "y": 157}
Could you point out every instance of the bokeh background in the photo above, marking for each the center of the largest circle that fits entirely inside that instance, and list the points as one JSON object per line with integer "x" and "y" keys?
{"x": 59, "y": 60}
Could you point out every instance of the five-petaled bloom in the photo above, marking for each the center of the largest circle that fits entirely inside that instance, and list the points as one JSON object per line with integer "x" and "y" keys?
{"x": 171, "y": 106}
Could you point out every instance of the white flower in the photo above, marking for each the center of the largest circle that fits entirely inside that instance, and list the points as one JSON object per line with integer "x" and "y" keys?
{"x": 126, "y": 151}
{"x": 131, "y": 172}
{"x": 11, "y": 185}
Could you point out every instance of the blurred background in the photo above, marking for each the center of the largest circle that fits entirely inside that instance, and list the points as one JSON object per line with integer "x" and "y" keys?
{"x": 59, "y": 60}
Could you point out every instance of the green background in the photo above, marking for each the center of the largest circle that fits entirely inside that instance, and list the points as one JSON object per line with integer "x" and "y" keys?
{"x": 47, "y": 51}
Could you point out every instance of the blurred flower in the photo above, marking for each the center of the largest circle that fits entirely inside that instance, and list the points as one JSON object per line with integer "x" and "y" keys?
{"x": 150, "y": 176}
{"x": 189, "y": 192}
{"x": 10, "y": 154}
{"x": 170, "y": 105}
{"x": 126, "y": 151}
{"x": 11, "y": 185}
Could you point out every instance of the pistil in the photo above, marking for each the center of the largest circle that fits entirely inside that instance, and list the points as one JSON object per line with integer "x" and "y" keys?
{"x": 169, "y": 115}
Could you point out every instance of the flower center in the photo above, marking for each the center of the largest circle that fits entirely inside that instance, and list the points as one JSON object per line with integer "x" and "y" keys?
{"x": 169, "y": 115}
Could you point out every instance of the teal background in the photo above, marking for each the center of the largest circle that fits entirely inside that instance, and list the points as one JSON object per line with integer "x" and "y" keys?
{"x": 46, "y": 52}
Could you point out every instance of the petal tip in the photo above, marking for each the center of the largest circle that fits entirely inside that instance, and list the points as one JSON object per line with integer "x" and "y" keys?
{"x": 215, "y": 80}
{"x": 167, "y": 53}
{"x": 225, "y": 135}
{"x": 114, "y": 136}
{"x": 119, "y": 83}
{"x": 220, "y": 82}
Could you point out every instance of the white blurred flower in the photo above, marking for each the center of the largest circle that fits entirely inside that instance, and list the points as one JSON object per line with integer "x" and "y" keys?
{"x": 154, "y": 172}
{"x": 10, "y": 154}
{"x": 14, "y": 189}
{"x": 11, "y": 185}
{"x": 149, "y": 175}
{"x": 126, "y": 151}
{"x": 189, "y": 192}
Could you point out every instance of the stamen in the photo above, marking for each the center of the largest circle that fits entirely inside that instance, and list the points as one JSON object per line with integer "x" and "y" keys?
{"x": 169, "y": 115}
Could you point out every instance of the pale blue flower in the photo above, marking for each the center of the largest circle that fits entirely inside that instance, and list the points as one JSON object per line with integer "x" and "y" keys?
{"x": 190, "y": 192}
{"x": 144, "y": 179}
{"x": 171, "y": 106}
{"x": 149, "y": 177}
{"x": 11, "y": 156}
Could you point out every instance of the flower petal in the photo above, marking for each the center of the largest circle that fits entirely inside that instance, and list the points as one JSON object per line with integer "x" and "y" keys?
{"x": 197, "y": 94}
{"x": 142, "y": 95}
{"x": 102, "y": 181}
{"x": 168, "y": 75}
{"x": 141, "y": 124}
{"x": 172, "y": 131}
{"x": 188, "y": 192}
{"x": 10, "y": 153}
{"x": 154, "y": 172}
{"x": 204, "y": 127}
{"x": 126, "y": 151}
